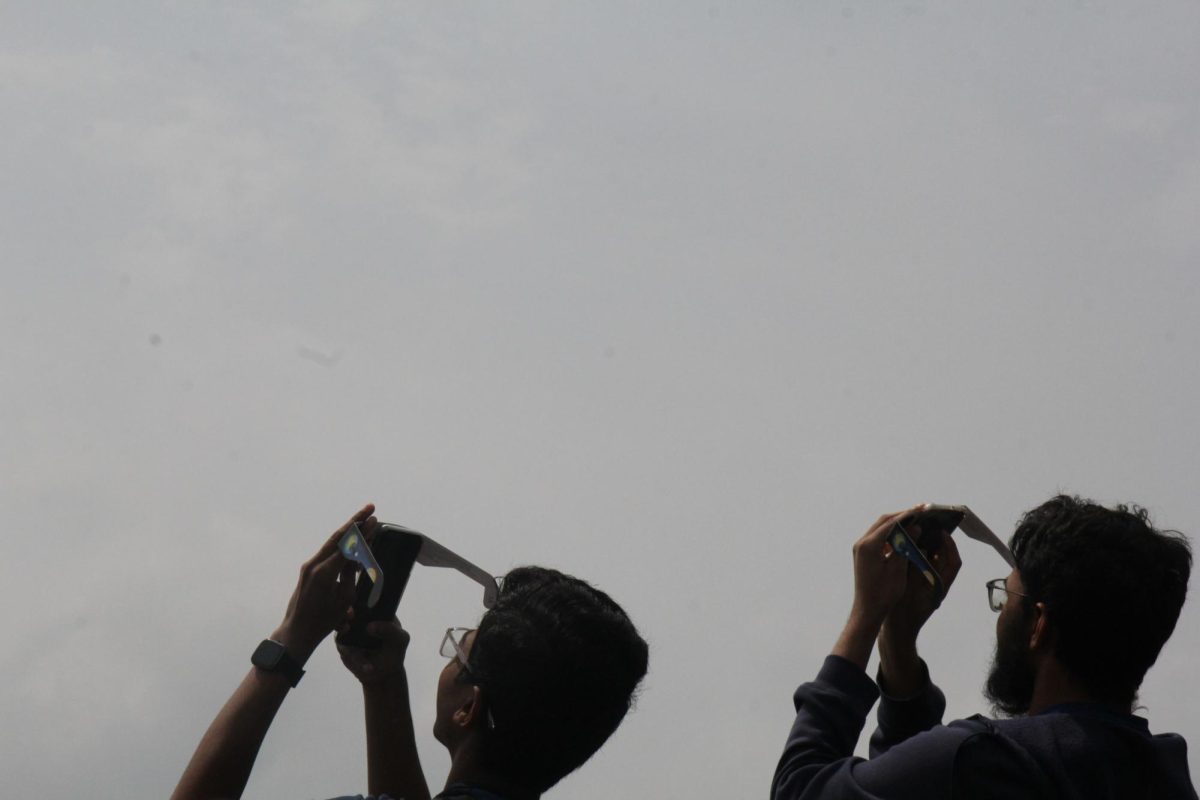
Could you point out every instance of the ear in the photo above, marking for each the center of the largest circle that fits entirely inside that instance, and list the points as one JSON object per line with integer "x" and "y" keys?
{"x": 471, "y": 712}
{"x": 1039, "y": 630}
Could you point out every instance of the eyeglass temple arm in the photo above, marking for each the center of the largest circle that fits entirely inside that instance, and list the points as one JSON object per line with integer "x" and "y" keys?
{"x": 433, "y": 554}
{"x": 974, "y": 528}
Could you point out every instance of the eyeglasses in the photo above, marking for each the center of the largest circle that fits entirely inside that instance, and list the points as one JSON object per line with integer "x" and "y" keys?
{"x": 452, "y": 647}
{"x": 998, "y": 593}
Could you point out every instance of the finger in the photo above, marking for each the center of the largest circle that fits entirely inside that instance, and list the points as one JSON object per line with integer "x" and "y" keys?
{"x": 951, "y": 560}
{"x": 941, "y": 550}
{"x": 327, "y": 568}
{"x": 874, "y": 541}
{"x": 883, "y": 525}
{"x": 355, "y": 665}
{"x": 332, "y": 542}
{"x": 360, "y": 517}
{"x": 881, "y": 519}
{"x": 901, "y": 516}
{"x": 370, "y": 528}
{"x": 884, "y": 522}
{"x": 890, "y": 520}
{"x": 353, "y": 657}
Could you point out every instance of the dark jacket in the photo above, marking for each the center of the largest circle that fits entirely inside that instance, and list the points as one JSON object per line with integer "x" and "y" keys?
{"x": 1070, "y": 751}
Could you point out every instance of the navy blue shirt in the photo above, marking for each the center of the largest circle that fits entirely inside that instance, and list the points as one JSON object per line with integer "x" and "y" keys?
{"x": 1073, "y": 751}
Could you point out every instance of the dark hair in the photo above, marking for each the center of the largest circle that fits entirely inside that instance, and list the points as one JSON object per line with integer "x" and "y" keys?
{"x": 558, "y": 662}
{"x": 1113, "y": 586}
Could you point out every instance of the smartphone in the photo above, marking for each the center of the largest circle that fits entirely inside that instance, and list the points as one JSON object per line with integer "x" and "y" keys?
{"x": 396, "y": 549}
{"x": 932, "y": 522}
{"x": 918, "y": 537}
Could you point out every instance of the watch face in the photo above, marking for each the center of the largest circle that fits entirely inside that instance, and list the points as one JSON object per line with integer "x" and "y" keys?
{"x": 267, "y": 655}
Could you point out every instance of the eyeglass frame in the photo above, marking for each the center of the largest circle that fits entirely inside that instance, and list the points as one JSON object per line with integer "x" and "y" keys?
{"x": 1002, "y": 585}
{"x": 456, "y": 651}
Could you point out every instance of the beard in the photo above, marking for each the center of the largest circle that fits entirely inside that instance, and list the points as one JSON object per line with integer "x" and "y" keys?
{"x": 1010, "y": 680}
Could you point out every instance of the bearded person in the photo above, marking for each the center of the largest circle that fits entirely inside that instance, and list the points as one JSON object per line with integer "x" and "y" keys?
{"x": 1095, "y": 595}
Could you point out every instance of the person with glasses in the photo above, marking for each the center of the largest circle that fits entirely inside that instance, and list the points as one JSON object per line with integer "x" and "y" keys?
{"x": 525, "y": 698}
{"x": 1095, "y": 595}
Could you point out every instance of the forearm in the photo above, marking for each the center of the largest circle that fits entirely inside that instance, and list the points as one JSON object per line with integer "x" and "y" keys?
{"x": 393, "y": 766}
{"x": 830, "y": 713}
{"x": 818, "y": 759}
{"x": 902, "y": 674}
{"x": 857, "y": 639}
{"x": 222, "y": 762}
{"x": 910, "y": 704}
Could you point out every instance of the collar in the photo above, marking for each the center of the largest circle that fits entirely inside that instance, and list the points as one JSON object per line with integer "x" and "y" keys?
{"x": 1099, "y": 712}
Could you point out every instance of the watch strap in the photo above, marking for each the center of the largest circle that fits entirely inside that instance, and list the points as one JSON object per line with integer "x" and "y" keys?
{"x": 272, "y": 656}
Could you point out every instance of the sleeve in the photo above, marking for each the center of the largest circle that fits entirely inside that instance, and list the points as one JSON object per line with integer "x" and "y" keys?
{"x": 898, "y": 720}
{"x": 818, "y": 760}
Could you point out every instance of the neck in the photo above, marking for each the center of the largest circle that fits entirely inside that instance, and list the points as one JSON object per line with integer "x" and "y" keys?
{"x": 465, "y": 768}
{"x": 1054, "y": 686}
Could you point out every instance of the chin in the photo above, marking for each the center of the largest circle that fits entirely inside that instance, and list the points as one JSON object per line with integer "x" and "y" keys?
{"x": 1010, "y": 681}
{"x": 1007, "y": 697}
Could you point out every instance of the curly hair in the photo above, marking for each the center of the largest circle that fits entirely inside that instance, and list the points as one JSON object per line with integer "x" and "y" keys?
{"x": 559, "y": 662}
{"x": 1112, "y": 584}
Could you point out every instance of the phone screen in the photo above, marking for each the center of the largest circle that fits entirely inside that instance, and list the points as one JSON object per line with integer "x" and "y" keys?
{"x": 396, "y": 550}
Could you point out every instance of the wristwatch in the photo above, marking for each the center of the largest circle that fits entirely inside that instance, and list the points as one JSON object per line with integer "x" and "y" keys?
{"x": 272, "y": 656}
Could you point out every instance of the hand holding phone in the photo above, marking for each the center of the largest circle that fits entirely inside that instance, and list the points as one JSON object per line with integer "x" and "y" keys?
{"x": 386, "y": 554}
{"x": 375, "y": 666}
{"x": 919, "y": 536}
{"x": 395, "y": 550}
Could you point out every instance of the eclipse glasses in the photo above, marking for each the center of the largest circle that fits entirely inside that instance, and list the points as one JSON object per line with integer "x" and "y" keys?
{"x": 353, "y": 545}
{"x": 934, "y": 520}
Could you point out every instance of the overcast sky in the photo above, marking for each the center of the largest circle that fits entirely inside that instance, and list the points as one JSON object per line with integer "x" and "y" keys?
{"x": 678, "y": 299}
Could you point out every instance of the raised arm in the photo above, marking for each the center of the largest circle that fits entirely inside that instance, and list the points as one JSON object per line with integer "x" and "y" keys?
{"x": 393, "y": 765}
{"x": 911, "y": 703}
{"x": 818, "y": 760}
{"x": 225, "y": 756}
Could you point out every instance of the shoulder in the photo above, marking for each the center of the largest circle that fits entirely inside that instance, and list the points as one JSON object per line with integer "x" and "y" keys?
{"x": 989, "y": 763}
{"x": 1083, "y": 755}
